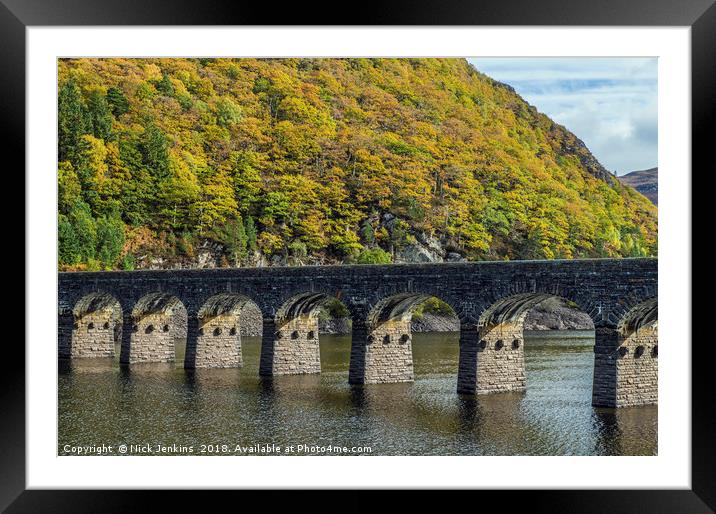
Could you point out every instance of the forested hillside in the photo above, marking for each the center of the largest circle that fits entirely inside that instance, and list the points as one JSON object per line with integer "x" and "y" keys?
{"x": 293, "y": 161}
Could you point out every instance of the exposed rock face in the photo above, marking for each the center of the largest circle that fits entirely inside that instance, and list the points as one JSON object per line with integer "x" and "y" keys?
{"x": 417, "y": 253}
{"x": 644, "y": 181}
{"x": 250, "y": 321}
{"x": 335, "y": 326}
{"x": 554, "y": 314}
{"x": 434, "y": 323}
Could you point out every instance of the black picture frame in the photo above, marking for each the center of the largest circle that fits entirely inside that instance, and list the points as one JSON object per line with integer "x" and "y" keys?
{"x": 17, "y": 15}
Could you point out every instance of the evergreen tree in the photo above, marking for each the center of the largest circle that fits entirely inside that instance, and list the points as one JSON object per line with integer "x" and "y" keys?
{"x": 118, "y": 103}
{"x": 368, "y": 233}
{"x": 100, "y": 115}
{"x": 165, "y": 86}
{"x": 68, "y": 248}
{"x": 154, "y": 147}
{"x": 110, "y": 239}
{"x": 251, "y": 235}
{"x": 72, "y": 121}
{"x": 85, "y": 230}
{"x": 233, "y": 235}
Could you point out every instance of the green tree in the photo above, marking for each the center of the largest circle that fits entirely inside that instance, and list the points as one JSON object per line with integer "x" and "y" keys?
{"x": 228, "y": 113}
{"x": 139, "y": 191}
{"x": 100, "y": 115}
{"x": 165, "y": 85}
{"x": 118, "y": 103}
{"x": 373, "y": 256}
{"x": 232, "y": 235}
{"x": 368, "y": 233}
{"x": 110, "y": 239}
{"x": 155, "y": 151}
{"x": 68, "y": 248}
{"x": 247, "y": 178}
{"x": 85, "y": 231}
{"x": 72, "y": 121}
{"x": 92, "y": 169}
{"x": 251, "y": 234}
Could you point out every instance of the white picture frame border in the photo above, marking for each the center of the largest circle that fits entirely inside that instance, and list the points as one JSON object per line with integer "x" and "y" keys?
{"x": 671, "y": 468}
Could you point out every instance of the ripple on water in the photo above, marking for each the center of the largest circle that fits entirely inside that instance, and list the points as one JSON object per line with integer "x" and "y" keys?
{"x": 99, "y": 402}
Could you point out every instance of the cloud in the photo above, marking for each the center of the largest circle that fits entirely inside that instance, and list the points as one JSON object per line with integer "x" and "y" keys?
{"x": 609, "y": 103}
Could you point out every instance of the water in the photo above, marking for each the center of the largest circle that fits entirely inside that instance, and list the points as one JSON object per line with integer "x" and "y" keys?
{"x": 230, "y": 411}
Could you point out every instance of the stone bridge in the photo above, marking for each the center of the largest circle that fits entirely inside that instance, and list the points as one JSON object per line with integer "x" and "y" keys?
{"x": 144, "y": 309}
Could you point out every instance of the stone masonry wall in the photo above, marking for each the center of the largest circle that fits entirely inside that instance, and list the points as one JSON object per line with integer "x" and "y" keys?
{"x": 389, "y": 354}
{"x": 605, "y": 289}
{"x": 637, "y": 368}
{"x": 152, "y": 339}
{"x": 218, "y": 344}
{"x": 295, "y": 347}
{"x": 500, "y": 358}
{"x": 93, "y": 335}
{"x": 606, "y": 342}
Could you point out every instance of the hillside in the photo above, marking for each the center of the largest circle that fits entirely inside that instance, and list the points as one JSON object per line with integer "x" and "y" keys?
{"x": 644, "y": 181}
{"x": 227, "y": 162}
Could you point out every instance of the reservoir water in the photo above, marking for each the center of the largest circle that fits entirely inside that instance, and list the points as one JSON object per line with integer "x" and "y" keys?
{"x": 163, "y": 409}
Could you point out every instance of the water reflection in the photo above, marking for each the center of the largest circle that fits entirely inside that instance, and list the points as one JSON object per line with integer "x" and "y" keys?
{"x": 99, "y": 401}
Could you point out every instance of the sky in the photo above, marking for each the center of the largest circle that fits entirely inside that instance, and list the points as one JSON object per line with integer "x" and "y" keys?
{"x": 609, "y": 103}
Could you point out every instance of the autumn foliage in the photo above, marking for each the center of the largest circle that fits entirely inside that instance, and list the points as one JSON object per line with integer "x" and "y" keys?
{"x": 303, "y": 158}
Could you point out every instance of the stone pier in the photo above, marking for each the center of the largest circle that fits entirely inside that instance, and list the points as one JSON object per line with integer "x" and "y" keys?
{"x": 489, "y": 298}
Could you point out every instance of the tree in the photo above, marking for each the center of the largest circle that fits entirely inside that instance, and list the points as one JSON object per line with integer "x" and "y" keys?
{"x": 100, "y": 115}
{"x": 165, "y": 85}
{"x": 72, "y": 121}
{"x": 373, "y": 256}
{"x": 233, "y": 235}
{"x": 251, "y": 235}
{"x": 139, "y": 190}
{"x": 85, "y": 232}
{"x": 368, "y": 233}
{"x": 68, "y": 248}
{"x": 217, "y": 200}
{"x": 337, "y": 155}
{"x": 247, "y": 178}
{"x": 69, "y": 189}
{"x": 228, "y": 113}
{"x": 92, "y": 169}
{"x": 154, "y": 147}
{"x": 110, "y": 239}
{"x": 177, "y": 195}
{"x": 118, "y": 103}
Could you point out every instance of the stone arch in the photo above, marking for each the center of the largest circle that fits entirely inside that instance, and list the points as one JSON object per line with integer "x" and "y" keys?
{"x": 158, "y": 321}
{"x": 625, "y": 307}
{"x": 291, "y": 340}
{"x": 492, "y": 352}
{"x": 637, "y": 363}
{"x": 381, "y": 350}
{"x": 96, "y": 321}
{"x": 514, "y": 308}
{"x": 641, "y": 316}
{"x": 217, "y": 341}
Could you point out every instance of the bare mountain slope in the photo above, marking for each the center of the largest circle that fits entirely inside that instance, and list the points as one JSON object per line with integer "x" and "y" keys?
{"x": 644, "y": 181}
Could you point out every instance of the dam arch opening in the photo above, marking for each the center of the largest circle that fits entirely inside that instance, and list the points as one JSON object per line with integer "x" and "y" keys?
{"x": 385, "y": 348}
{"x": 541, "y": 325}
{"x": 291, "y": 339}
{"x": 95, "y": 327}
